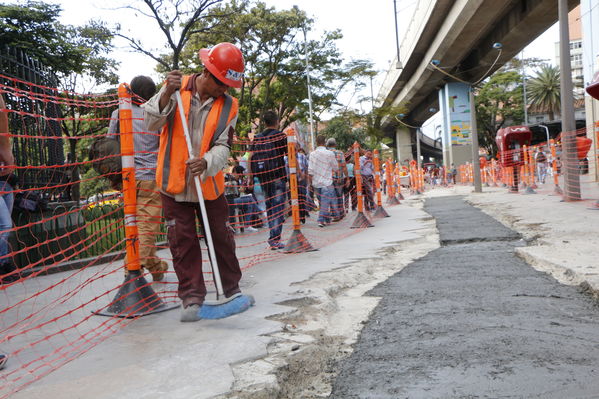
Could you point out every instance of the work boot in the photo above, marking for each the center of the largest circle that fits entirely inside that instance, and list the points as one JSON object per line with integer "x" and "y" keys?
{"x": 158, "y": 271}
{"x": 190, "y": 313}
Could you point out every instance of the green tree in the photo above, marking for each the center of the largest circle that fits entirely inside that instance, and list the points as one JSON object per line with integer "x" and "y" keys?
{"x": 350, "y": 126}
{"x": 178, "y": 20}
{"x": 499, "y": 102}
{"x": 345, "y": 130}
{"x": 65, "y": 49}
{"x": 274, "y": 50}
{"x": 544, "y": 90}
{"x": 76, "y": 55}
{"x": 374, "y": 122}
{"x": 92, "y": 184}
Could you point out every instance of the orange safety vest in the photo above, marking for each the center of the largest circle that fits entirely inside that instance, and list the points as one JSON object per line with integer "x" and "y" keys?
{"x": 171, "y": 168}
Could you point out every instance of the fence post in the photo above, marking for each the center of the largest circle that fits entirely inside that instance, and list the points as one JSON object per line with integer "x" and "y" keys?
{"x": 297, "y": 242}
{"x": 380, "y": 211}
{"x": 532, "y": 165}
{"x": 361, "y": 220}
{"x": 557, "y": 190}
{"x": 483, "y": 173}
{"x": 524, "y": 168}
{"x": 445, "y": 183}
{"x": 390, "y": 172}
{"x": 135, "y": 297}
{"x": 529, "y": 179}
{"x": 397, "y": 179}
{"x": 414, "y": 178}
{"x": 516, "y": 176}
{"x": 471, "y": 173}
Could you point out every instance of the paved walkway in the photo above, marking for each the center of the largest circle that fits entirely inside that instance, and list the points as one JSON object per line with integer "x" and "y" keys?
{"x": 471, "y": 319}
{"x": 159, "y": 357}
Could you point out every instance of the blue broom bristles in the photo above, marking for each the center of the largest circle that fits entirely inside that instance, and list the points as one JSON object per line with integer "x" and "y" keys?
{"x": 237, "y": 305}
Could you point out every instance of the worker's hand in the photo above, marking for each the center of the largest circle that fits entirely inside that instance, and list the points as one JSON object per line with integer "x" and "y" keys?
{"x": 173, "y": 82}
{"x": 7, "y": 161}
{"x": 197, "y": 166}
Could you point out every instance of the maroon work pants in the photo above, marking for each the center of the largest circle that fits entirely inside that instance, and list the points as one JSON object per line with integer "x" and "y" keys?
{"x": 183, "y": 241}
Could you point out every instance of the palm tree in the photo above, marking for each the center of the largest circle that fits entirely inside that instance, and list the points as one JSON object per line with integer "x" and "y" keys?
{"x": 544, "y": 90}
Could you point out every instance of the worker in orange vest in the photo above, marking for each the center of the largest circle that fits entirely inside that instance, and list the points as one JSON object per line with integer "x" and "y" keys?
{"x": 211, "y": 117}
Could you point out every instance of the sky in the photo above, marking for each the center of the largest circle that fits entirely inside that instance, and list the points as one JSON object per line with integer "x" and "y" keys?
{"x": 368, "y": 29}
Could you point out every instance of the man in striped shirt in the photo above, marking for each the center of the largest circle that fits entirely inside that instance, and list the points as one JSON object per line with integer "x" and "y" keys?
{"x": 340, "y": 179}
{"x": 321, "y": 165}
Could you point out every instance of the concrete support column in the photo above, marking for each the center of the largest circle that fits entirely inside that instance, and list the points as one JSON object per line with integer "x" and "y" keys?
{"x": 445, "y": 134}
{"x": 403, "y": 142}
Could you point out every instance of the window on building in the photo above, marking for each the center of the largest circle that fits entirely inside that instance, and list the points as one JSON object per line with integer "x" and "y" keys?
{"x": 540, "y": 119}
{"x": 576, "y": 60}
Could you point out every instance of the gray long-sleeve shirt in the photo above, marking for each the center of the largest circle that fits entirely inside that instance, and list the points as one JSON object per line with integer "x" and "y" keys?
{"x": 216, "y": 157}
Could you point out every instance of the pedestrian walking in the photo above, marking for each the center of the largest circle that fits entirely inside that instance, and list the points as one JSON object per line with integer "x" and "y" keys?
{"x": 321, "y": 165}
{"x": 541, "y": 163}
{"x": 211, "y": 117}
{"x": 340, "y": 179}
{"x": 453, "y": 173}
{"x": 367, "y": 172}
{"x": 350, "y": 190}
{"x": 267, "y": 163}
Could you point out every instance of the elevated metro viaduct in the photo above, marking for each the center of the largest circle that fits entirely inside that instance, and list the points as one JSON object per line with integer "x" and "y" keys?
{"x": 460, "y": 34}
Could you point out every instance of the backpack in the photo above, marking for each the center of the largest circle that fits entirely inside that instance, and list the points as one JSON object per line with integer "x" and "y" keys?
{"x": 104, "y": 153}
{"x": 30, "y": 201}
{"x": 541, "y": 157}
{"x": 267, "y": 160}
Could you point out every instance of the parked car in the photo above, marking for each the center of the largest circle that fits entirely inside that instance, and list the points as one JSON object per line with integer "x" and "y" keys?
{"x": 112, "y": 197}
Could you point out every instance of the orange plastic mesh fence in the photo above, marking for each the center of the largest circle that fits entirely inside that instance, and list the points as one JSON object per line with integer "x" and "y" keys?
{"x": 64, "y": 254}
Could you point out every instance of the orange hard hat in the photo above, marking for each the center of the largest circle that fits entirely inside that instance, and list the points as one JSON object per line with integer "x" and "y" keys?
{"x": 593, "y": 88}
{"x": 225, "y": 62}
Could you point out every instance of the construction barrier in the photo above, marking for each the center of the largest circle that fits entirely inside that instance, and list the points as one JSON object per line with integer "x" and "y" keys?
{"x": 559, "y": 167}
{"x": 85, "y": 248}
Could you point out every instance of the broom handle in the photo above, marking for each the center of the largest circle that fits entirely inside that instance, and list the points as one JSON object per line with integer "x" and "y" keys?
{"x": 207, "y": 232}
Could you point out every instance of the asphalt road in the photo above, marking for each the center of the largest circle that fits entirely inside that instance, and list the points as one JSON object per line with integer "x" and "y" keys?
{"x": 471, "y": 320}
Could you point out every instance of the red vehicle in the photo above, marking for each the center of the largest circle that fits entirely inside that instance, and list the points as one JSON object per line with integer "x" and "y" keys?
{"x": 510, "y": 141}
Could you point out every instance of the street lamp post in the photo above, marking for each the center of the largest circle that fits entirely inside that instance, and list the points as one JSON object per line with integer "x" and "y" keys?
{"x": 546, "y": 132}
{"x": 309, "y": 91}
{"x": 398, "y": 65}
{"x": 525, "y": 97}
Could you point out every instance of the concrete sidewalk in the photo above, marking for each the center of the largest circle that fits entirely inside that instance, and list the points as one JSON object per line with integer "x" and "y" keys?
{"x": 297, "y": 298}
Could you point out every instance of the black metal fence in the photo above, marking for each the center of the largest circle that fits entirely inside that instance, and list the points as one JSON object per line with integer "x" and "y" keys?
{"x": 44, "y": 153}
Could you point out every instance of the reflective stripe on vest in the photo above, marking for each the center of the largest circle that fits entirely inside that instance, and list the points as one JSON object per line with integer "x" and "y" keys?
{"x": 171, "y": 167}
